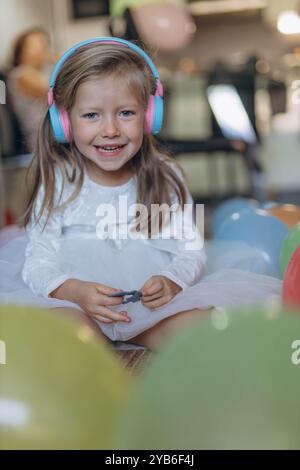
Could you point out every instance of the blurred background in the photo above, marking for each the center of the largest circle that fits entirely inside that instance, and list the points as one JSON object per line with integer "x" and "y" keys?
{"x": 231, "y": 74}
{"x": 231, "y": 71}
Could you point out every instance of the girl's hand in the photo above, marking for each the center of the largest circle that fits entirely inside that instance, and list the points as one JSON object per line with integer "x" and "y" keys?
{"x": 93, "y": 299}
{"x": 158, "y": 291}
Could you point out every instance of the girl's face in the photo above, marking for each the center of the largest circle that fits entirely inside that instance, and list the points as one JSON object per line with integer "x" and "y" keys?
{"x": 107, "y": 122}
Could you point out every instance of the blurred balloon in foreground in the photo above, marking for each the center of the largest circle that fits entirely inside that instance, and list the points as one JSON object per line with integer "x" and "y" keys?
{"x": 229, "y": 382}
{"x": 289, "y": 245}
{"x": 268, "y": 205}
{"x": 260, "y": 230}
{"x": 163, "y": 26}
{"x": 289, "y": 214}
{"x": 61, "y": 388}
{"x": 229, "y": 207}
{"x": 291, "y": 281}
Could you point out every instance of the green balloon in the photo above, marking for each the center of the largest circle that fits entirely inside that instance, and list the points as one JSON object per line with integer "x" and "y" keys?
{"x": 117, "y": 7}
{"x": 60, "y": 387}
{"x": 289, "y": 245}
{"x": 227, "y": 383}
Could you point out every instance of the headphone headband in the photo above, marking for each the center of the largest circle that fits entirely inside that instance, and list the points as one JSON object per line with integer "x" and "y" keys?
{"x": 106, "y": 40}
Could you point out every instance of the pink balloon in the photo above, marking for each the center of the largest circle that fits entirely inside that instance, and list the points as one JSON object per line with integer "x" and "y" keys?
{"x": 166, "y": 27}
{"x": 291, "y": 281}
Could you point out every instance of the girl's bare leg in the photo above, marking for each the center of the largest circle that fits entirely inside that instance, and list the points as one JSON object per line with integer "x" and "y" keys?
{"x": 156, "y": 336}
{"x": 81, "y": 317}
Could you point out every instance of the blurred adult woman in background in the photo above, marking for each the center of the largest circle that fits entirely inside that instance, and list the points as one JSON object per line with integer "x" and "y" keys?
{"x": 28, "y": 80}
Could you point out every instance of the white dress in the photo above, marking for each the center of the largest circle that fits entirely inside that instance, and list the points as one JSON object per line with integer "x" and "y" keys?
{"x": 35, "y": 263}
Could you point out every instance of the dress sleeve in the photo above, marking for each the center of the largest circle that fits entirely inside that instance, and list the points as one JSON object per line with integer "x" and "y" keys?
{"x": 188, "y": 254}
{"x": 41, "y": 271}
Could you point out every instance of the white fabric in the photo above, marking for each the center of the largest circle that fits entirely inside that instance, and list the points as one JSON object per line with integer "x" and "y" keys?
{"x": 34, "y": 264}
{"x": 51, "y": 255}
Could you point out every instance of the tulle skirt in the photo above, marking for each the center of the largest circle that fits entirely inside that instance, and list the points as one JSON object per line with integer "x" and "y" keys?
{"x": 236, "y": 275}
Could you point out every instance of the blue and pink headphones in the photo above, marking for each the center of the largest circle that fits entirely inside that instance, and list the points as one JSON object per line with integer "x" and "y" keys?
{"x": 59, "y": 118}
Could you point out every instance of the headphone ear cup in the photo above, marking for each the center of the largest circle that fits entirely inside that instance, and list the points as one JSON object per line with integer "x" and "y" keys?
{"x": 148, "y": 123}
{"x": 56, "y": 124}
{"x": 154, "y": 115}
{"x": 60, "y": 124}
{"x": 158, "y": 114}
{"x": 66, "y": 125}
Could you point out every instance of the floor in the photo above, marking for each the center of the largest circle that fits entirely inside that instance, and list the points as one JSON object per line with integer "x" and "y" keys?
{"x": 134, "y": 358}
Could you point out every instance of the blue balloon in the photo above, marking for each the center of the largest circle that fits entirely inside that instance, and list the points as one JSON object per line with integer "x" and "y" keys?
{"x": 260, "y": 230}
{"x": 228, "y": 254}
{"x": 268, "y": 205}
{"x": 229, "y": 207}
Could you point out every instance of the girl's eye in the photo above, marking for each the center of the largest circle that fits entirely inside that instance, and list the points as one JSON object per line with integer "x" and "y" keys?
{"x": 127, "y": 113}
{"x": 90, "y": 115}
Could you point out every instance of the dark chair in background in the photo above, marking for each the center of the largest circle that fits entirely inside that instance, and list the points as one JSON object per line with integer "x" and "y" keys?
{"x": 12, "y": 141}
{"x": 14, "y": 158}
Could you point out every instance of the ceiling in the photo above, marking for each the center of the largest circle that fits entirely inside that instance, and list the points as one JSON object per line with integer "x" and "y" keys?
{"x": 268, "y": 8}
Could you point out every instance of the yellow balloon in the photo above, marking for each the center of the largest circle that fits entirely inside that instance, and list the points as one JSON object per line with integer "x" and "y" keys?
{"x": 60, "y": 386}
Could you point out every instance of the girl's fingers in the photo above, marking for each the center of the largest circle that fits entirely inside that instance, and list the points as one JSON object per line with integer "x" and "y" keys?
{"x": 106, "y": 290}
{"x": 157, "y": 303}
{"x": 149, "y": 298}
{"x": 115, "y": 316}
{"x": 152, "y": 289}
{"x": 105, "y": 300}
{"x": 100, "y": 318}
{"x": 111, "y": 301}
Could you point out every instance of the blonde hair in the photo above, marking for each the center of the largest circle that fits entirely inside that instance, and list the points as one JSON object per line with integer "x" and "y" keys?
{"x": 157, "y": 180}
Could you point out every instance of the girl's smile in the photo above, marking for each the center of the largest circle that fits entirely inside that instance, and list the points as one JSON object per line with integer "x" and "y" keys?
{"x": 110, "y": 150}
{"x": 107, "y": 122}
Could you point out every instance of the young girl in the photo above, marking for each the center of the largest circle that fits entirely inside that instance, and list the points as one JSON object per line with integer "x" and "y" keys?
{"x": 95, "y": 151}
